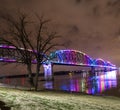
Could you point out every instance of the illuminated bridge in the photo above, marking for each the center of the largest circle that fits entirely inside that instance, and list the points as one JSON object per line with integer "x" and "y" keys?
{"x": 73, "y": 57}
{"x": 10, "y": 54}
{"x": 60, "y": 57}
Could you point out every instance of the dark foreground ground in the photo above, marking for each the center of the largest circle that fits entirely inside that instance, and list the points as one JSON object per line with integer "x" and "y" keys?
{"x": 3, "y": 106}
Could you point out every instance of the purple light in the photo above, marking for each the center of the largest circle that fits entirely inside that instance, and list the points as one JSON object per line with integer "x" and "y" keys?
{"x": 68, "y": 57}
{"x": 12, "y": 47}
{"x": 6, "y": 46}
{"x": 1, "y": 59}
{"x": 9, "y": 60}
{"x": 75, "y": 57}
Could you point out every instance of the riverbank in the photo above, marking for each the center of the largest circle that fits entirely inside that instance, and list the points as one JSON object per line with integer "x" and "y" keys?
{"x": 52, "y": 100}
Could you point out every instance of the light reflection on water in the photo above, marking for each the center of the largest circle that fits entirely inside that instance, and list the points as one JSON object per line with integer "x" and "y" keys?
{"x": 80, "y": 82}
{"x": 86, "y": 83}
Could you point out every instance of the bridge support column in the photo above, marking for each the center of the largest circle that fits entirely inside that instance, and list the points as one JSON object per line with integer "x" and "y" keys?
{"x": 48, "y": 75}
{"x": 93, "y": 80}
{"x": 92, "y": 71}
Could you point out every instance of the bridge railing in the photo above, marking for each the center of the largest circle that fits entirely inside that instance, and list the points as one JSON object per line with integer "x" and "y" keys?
{"x": 11, "y": 54}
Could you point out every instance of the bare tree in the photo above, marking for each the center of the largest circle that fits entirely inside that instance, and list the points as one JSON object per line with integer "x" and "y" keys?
{"x": 14, "y": 34}
{"x": 29, "y": 34}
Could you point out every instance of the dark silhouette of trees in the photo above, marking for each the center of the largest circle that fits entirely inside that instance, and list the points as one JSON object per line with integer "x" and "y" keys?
{"x": 22, "y": 31}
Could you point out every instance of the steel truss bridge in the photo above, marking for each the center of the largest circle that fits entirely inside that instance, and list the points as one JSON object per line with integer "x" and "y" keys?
{"x": 61, "y": 57}
{"x": 74, "y": 57}
{"x": 10, "y": 54}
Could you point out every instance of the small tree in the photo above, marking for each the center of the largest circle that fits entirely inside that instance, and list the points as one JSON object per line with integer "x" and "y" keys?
{"x": 28, "y": 34}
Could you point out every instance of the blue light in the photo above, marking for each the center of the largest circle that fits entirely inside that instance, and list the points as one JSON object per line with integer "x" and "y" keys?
{"x": 68, "y": 57}
{"x": 75, "y": 57}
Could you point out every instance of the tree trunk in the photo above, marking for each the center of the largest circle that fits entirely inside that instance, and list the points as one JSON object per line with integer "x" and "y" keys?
{"x": 36, "y": 76}
{"x": 30, "y": 77}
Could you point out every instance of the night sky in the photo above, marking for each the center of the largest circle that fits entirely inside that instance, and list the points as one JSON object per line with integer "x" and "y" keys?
{"x": 91, "y": 26}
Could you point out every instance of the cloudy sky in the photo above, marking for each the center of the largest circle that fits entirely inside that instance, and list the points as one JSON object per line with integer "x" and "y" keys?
{"x": 91, "y": 26}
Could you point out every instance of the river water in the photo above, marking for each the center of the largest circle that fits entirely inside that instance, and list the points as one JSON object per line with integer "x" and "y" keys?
{"x": 100, "y": 83}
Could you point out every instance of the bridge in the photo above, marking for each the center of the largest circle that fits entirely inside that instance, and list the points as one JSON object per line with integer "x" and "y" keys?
{"x": 10, "y": 54}
{"x": 60, "y": 57}
{"x": 74, "y": 57}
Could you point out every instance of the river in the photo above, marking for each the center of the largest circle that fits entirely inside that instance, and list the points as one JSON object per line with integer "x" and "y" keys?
{"x": 101, "y": 83}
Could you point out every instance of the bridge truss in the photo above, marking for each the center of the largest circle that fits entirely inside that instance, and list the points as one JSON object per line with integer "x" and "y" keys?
{"x": 10, "y": 54}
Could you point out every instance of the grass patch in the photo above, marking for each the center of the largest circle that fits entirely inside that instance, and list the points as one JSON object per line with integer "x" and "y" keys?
{"x": 49, "y": 100}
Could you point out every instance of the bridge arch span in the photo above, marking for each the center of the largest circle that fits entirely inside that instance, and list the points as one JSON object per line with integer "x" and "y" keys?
{"x": 100, "y": 62}
{"x": 70, "y": 57}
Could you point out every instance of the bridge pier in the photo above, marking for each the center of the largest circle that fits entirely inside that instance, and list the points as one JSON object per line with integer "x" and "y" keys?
{"x": 93, "y": 80}
{"x": 92, "y": 71}
{"x": 48, "y": 75}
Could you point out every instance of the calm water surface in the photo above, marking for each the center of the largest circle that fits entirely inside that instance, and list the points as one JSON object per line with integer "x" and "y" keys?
{"x": 101, "y": 83}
